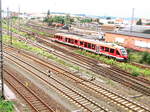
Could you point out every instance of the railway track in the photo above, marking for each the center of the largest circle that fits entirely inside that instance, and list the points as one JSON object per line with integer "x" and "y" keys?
{"x": 122, "y": 77}
{"x": 138, "y": 84}
{"x": 93, "y": 87}
{"x": 86, "y": 104}
{"x": 35, "y": 102}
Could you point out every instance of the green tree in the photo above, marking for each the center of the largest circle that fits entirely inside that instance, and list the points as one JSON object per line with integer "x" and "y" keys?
{"x": 139, "y": 22}
{"x": 87, "y": 20}
{"x": 67, "y": 19}
{"x": 58, "y": 19}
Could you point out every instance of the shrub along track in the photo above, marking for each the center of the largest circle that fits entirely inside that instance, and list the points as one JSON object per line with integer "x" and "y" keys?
{"x": 136, "y": 83}
{"x": 91, "y": 86}
{"x": 85, "y": 103}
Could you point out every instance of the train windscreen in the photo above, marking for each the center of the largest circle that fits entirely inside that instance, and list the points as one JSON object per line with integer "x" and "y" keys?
{"x": 123, "y": 51}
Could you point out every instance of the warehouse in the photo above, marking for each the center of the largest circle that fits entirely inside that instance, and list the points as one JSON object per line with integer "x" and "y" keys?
{"x": 136, "y": 41}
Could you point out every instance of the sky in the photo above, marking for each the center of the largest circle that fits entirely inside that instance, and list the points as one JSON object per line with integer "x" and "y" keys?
{"x": 119, "y": 8}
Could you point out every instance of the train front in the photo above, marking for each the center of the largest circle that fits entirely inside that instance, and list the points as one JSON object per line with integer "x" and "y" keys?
{"x": 124, "y": 53}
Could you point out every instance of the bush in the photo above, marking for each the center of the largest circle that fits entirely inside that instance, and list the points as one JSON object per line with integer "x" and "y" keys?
{"x": 145, "y": 58}
{"x": 135, "y": 74}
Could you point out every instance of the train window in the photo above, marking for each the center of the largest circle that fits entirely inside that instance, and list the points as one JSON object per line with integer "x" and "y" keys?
{"x": 89, "y": 45}
{"x": 123, "y": 51}
{"x": 81, "y": 43}
{"x": 66, "y": 39}
{"x": 69, "y": 40}
{"x": 76, "y": 41}
{"x": 117, "y": 52}
{"x": 102, "y": 48}
{"x": 106, "y": 49}
{"x": 59, "y": 37}
{"x": 112, "y": 50}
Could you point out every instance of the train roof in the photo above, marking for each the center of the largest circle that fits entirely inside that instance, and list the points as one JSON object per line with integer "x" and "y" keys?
{"x": 97, "y": 42}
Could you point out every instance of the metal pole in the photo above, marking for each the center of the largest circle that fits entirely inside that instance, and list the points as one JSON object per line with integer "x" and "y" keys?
{"x": 19, "y": 18}
{"x": 8, "y": 21}
{"x": 1, "y": 53}
{"x": 11, "y": 30}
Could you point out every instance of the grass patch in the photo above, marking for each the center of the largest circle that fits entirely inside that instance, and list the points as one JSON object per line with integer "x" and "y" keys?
{"x": 37, "y": 31}
{"x": 24, "y": 34}
{"x": 39, "y": 51}
{"x": 6, "y": 106}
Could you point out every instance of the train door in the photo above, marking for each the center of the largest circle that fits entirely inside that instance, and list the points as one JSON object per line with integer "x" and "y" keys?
{"x": 85, "y": 44}
{"x": 93, "y": 46}
{"x": 102, "y": 49}
{"x": 118, "y": 53}
{"x": 97, "y": 49}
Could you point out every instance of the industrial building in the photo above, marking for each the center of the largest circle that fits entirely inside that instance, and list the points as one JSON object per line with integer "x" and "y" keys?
{"x": 136, "y": 41}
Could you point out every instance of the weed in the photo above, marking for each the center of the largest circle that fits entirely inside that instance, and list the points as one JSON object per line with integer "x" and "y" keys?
{"x": 6, "y": 106}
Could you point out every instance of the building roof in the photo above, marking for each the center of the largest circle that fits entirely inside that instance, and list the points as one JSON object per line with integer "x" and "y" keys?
{"x": 128, "y": 33}
{"x": 136, "y": 28}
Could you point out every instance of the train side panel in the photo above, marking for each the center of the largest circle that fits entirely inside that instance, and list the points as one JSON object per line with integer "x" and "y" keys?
{"x": 117, "y": 53}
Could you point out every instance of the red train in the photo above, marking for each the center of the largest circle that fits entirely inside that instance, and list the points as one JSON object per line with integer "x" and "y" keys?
{"x": 98, "y": 47}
